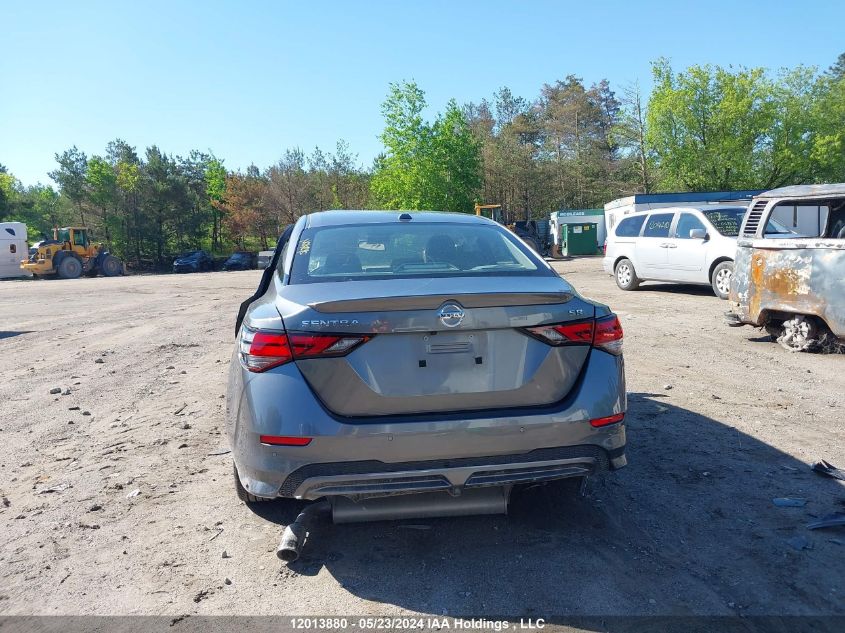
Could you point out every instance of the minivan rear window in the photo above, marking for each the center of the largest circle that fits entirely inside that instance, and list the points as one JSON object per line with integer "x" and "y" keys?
{"x": 630, "y": 227}
{"x": 409, "y": 250}
{"x": 658, "y": 225}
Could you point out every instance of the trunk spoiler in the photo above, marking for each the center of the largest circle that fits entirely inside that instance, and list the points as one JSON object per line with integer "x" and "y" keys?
{"x": 432, "y": 302}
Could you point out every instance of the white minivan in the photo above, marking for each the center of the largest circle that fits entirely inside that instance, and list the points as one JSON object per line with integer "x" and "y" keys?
{"x": 683, "y": 245}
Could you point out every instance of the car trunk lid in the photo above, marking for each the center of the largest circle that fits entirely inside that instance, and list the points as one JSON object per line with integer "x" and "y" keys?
{"x": 439, "y": 345}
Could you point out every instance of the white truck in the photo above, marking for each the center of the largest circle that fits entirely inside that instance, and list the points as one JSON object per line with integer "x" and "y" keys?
{"x": 13, "y": 250}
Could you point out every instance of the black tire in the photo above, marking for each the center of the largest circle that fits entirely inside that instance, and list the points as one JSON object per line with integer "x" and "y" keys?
{"x": 242, "y": 492}
{"x": 774, "y": 329}
{"x": 70, "y": 268}
{"x": 720, "y": 280}
{"x": 625, "y": 275}
{"x": 110, "y": 266}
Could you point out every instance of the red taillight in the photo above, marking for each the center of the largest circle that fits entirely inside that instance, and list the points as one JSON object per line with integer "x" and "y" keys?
{"x": 262, "y": 349}
{"x": 605, "y": 333}
{"x": 565, "y": 333}
{"x": 609, "y": 334}
{"x": 312, "y": 345}
{"x": 611, "y": 419}
{"x": 284, "y": 440}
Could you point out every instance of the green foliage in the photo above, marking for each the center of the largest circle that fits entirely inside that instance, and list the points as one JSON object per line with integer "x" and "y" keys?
{"x": 827, "y": 155}
{"x": 8, "y": 194}
{"x": 456, "y": 161}
{"x": 715, "y": 128}
{"x": 425, "y": 166}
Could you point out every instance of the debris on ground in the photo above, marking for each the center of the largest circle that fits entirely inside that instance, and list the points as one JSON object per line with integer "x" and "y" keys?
{"x": 826, "y": 468}
{"x": 98, "y": 360}
{"x": 134, "y": 493}
{"x": 786, "y": 502}
{"x": 201, "y": 595}
{"x": 57, "y": 488}
{"x": 180, "y": 409}
{"x": 55, "y": 390}
{"x": 831, "y": 520}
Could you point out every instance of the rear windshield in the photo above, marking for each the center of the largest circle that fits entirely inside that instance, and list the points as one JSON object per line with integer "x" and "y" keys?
{"x": 403, "y": 251}
{"x": 726, "y": 221}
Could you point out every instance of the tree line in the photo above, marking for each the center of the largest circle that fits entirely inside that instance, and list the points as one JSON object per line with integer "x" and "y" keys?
{"x": 572, "y": 146}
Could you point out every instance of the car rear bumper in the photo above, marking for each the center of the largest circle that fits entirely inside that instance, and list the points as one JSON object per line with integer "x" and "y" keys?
{"x": 398, "y": 455}
{"x": 362, "y": 479}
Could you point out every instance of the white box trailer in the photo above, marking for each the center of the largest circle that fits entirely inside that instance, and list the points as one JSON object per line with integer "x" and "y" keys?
{"x": 13, "y": 249}
{"x": 616, "y": 209}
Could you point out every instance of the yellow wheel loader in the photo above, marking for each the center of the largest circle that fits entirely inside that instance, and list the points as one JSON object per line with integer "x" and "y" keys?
{"x": 526, "y": 230}
{"x": 70, "y": 254}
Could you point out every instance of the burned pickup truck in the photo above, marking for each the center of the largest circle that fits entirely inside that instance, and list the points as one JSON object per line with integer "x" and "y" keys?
{"x": 794, "y": 288}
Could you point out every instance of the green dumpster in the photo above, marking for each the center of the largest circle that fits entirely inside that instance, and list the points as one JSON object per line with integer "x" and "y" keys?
{"x": 578, "y": 239}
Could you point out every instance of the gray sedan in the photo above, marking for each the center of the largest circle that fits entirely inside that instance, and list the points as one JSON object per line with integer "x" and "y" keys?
{"x": 418, "y": 364}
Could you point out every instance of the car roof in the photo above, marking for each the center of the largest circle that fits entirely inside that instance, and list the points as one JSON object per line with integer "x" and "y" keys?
{"x": 704, "y": 207}
{"x": 342, "y": 217}
{"x": 805, "y": 191}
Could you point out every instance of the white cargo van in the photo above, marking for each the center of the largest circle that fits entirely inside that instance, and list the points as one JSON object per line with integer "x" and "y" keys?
{"x": 13, "y": 249}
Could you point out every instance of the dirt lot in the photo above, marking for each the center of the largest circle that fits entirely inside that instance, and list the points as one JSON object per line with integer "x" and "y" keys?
{"x": 116, "y": 498}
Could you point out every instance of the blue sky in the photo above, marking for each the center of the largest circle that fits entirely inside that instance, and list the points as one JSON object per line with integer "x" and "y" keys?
{"x": 249, "y": 79}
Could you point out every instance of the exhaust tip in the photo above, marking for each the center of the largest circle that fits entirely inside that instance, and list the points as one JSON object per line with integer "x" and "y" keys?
{"x": 287, "y": 555}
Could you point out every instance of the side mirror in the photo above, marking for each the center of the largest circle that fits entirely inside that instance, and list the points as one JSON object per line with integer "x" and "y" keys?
{"x": 698, "y": 234}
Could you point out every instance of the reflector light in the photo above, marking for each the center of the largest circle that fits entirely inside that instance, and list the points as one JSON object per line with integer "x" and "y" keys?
{"x": 285, "y": 440}
{"x": 606, "y": 421}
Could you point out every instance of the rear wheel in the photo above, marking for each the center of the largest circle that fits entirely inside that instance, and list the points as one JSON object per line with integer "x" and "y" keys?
{"x": 70, "y": 268}
{"x": 110, "y": 266}
{"x": 721, "y": 279}
{"x": 243, "y": 493}
{"x": 800, "y": 334}
{"x": 626, "y": 276}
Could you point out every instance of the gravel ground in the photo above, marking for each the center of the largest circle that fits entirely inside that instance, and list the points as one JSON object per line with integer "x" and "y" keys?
{"x": 118, "y": 499}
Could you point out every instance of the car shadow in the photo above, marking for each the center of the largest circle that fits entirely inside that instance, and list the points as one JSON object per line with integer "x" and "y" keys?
{"x": 688, "y": 528}
{"x": 8, "y": 334}
{"x": 686, "y": 289}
